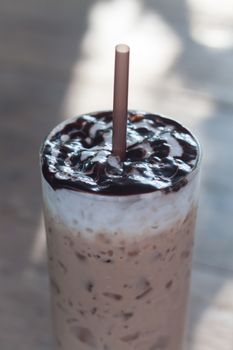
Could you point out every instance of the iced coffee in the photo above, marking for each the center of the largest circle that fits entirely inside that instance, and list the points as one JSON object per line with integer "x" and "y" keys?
{"x": 120, "y": 233}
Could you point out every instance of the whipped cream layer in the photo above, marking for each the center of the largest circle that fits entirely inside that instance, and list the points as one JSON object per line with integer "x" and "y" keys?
{"x": 160, "y": 154}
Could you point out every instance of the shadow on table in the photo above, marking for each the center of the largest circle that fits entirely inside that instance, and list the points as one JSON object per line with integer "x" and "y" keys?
{"x": 198, "y": 65}
{"x": 42, "y": 43}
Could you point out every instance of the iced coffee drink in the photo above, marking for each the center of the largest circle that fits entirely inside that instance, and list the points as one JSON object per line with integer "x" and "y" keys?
{"x": 120, "y": 233}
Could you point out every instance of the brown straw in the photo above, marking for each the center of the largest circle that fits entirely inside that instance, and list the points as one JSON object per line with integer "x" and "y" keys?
{"x": 120, "y": 100}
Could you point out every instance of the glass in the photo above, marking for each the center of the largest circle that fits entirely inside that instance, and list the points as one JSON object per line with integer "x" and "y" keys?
{"x": 120, "y": 267}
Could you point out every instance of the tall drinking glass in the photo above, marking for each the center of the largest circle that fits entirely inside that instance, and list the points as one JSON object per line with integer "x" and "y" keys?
{"x": 120, "y": 266}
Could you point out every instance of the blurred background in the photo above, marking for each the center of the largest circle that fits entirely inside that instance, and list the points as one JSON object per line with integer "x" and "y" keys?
{"x": 57, "y": 60}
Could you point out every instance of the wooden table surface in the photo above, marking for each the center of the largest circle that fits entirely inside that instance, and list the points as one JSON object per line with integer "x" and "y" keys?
{"x": 56, "y": 60}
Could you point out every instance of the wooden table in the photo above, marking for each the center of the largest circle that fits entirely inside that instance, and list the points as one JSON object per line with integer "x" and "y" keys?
{"x": 56, "y": 59}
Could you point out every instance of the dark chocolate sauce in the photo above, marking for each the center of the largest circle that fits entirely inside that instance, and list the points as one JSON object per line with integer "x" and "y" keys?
{"x": 160, "y": 153}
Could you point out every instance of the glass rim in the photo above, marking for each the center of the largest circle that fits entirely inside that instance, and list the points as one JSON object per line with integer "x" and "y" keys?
{"x": 104, "y": 196}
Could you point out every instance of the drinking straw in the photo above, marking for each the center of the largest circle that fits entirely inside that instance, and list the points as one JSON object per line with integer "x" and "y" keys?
{"x": 120, "y": 100}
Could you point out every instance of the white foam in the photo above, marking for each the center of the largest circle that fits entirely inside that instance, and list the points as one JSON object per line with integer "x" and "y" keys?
{"x": 97, "y": 126}
{"x": 175, "y": 148}
{"x": 131, "y": 215}
{"x": 65, "y": 138}
{"x": 86, "y": 154}
{"x": 100, "y": 156}
{"x": 88, "y": 140}
{"x": 114, "y": 162}
{"x": 55, "y": 152}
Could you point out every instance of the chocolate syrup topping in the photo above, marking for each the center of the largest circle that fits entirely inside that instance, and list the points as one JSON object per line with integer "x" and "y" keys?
{"x": 160, "y": 153}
